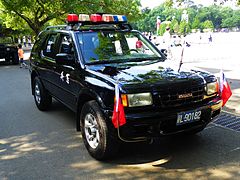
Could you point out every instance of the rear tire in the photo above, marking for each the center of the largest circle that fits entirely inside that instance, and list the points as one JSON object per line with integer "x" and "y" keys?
{"x": 99, "y": 136}
{"x": 42, "y": 98}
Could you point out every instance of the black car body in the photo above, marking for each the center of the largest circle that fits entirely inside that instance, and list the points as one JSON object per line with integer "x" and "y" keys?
{"x": 8, "y": 50}
{"x": 81, "y": 67}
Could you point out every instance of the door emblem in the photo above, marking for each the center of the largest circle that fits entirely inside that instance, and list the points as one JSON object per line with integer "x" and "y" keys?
{"x": 65, "y": 78}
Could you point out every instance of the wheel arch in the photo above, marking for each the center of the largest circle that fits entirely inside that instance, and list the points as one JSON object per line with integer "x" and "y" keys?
{"x": 86, "y": 95}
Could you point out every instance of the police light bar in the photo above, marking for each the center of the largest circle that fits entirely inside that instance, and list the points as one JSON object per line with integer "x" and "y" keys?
{"x": 97, "y": 18}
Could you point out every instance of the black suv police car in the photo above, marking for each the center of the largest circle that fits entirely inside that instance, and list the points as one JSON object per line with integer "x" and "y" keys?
{"x": 84, "y": 64}
{"x": 8, "y": 50}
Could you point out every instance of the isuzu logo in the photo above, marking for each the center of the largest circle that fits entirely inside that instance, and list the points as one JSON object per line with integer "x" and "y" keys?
{"x": 187, "y": 95}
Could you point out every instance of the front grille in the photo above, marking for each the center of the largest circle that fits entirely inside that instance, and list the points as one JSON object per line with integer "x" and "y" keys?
{"x": 170, "y": 97}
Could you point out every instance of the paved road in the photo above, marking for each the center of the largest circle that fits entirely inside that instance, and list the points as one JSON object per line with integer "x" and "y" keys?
{"x": 45, "y": 145}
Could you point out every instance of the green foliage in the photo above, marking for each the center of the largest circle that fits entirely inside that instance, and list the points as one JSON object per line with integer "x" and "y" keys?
{"x": 184, "y": 28}
{"x": 174, "y": 26}
{"x": 196, "y": 23}
{"x": 34, "y": 15}
{"x": 169, "y": 3}
{"x": 232, "y": 21}
{"x": 162, "y": 29}
{"x": 208, "y": 25}
{"x": 200, "y": 17}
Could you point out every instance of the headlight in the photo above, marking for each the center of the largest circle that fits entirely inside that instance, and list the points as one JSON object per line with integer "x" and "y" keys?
{"x": 141, "y": 99}
{"x": 8, "y": 49}
{"x": 212, "y": 88}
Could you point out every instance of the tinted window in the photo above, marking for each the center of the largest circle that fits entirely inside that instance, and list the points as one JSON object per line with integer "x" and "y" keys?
{"x": 66, "y": 45}
{"x": 49, "y": 48}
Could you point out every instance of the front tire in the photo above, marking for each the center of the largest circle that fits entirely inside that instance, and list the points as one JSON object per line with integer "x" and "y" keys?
{"x": 42, "y": 98}
{"x": 98, "y": 135}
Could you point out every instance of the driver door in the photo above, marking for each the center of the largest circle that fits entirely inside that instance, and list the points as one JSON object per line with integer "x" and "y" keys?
{"x": 67, "y": 74}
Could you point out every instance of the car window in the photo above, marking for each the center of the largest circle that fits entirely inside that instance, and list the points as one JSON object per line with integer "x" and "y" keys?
{"x": 49, "y": 48}
{"x": 66, "y": 45}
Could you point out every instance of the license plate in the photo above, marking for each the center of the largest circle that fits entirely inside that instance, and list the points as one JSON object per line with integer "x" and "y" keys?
{"x": 188, "y": 117}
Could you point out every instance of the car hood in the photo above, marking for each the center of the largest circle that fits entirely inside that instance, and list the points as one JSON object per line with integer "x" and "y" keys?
{"x": 150, "y": 73}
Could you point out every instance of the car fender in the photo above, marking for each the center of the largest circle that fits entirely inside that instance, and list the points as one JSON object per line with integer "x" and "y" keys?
{"x": 86, "y": 94}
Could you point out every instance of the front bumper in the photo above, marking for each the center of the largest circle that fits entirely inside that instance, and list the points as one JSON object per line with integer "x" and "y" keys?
{"x": 163, "y": 122}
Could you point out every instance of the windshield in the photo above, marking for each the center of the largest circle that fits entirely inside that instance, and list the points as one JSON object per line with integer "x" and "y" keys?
{"x": 112, "y": 46}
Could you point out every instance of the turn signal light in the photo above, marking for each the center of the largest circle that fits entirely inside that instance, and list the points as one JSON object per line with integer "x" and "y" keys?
{"x": 124, "y": 100}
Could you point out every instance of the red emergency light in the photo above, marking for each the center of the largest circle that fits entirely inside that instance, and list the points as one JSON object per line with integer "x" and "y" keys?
{"x": 96, "y": 18}
{"x": 72, "y": 18}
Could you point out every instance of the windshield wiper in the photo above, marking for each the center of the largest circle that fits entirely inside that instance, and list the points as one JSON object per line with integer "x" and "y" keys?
{"x": 105, "y": 61}
{"x": 144, "y": 59}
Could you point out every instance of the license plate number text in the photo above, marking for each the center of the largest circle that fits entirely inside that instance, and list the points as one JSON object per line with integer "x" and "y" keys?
{"x": 188, "y": 117}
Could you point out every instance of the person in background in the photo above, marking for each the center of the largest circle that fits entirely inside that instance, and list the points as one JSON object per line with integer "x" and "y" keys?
{"x": 155, "y": 41}
{"x": 139, "y": 44}
{"x": 24, "y": 41}
{"x": 29, "y": 41}
{"x": 20, "y": 55}
{"x": 168, "y": 41}
{"x": 150, "y": 36}
{"x": 19, "y": 41}
{"x": 210, "y": 38}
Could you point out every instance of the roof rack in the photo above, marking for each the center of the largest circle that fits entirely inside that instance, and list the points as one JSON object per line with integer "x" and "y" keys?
{"x": 92, "y": 26}
{"x": 60, "y": 27}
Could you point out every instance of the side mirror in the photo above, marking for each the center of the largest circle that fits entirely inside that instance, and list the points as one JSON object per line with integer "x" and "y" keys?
{"x": 65, "y": 59}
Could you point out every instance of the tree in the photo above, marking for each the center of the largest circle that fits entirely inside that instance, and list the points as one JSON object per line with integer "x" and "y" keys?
{"x": 174, "y": 26}
{"x": 162, "y": 29}
{"x": 184, "y": 28}
{"x": 219, "y": 16}
{"x": 196, "y": 23}
{"x": 38, "y": 13}
{"x": 208, "y": 25}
